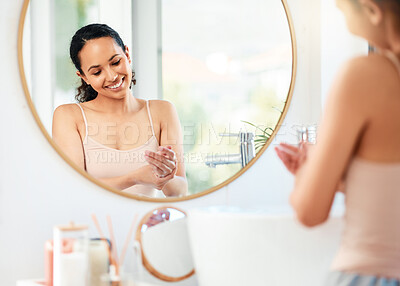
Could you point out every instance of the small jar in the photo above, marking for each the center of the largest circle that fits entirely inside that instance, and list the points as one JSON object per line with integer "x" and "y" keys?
{"x": 70, "y": 263}
{"x": 307, "y": 134}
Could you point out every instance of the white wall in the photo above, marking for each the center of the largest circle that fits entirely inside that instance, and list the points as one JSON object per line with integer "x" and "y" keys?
{"x": 38, "y": 189}
{"x": 337, "y": 44}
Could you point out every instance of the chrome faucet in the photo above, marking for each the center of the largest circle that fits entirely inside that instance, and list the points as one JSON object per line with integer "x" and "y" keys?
{"x": 247, "y": 151}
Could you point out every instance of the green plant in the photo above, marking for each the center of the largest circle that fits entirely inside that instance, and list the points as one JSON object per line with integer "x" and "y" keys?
{"x": 260, "y": 139}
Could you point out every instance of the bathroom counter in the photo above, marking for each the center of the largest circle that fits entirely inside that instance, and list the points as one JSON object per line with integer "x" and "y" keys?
{"x": 31, "y": 282}
{"x": 40, "y": 282}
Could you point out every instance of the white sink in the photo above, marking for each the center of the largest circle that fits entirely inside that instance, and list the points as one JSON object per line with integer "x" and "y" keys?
{"x": 236, "y": 247}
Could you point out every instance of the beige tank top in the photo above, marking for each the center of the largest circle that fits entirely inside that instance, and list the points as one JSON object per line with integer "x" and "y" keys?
{"x": 104, "y": 162}
{"x": 371, "y": 238}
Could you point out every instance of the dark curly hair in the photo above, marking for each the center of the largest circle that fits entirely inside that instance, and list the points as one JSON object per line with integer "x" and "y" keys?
{"x": 84, "y": 34}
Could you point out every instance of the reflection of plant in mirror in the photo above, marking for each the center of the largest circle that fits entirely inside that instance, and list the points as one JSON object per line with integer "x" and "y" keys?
{"x": 262, "y": 138}
{"x": 268, "y": 109}
{"x": 266, "y": 132}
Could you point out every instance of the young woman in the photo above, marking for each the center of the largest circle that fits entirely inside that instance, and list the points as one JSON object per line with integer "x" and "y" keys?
{"x": 128, "y": 143}
{"x": 358, "y": 144}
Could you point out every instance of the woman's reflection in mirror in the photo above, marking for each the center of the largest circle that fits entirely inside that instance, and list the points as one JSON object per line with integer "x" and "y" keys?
{"x": 157, "y": 217}
{"x": 131, "y": 144}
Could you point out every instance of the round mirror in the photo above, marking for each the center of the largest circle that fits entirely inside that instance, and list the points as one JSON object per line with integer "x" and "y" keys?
{"x": 227, "y": 66}
{"x": 163, "y": 237}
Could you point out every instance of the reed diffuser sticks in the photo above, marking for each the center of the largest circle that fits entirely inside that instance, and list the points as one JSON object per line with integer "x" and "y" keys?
{"x": 112, "y": 251}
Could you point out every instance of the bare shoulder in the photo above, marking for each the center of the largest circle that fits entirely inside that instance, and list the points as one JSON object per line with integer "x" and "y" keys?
{"x": 363, "y": 78}
{"x": 369, "y": 69}
{"x": 67, "y": 112}
{"x": 158, "y": 103}
{"x": 66, "y": 108}
{"x": 163, "y": 107}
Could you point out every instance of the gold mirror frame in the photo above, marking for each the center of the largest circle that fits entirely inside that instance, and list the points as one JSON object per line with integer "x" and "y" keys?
{"x": 136, "y": 197}
{"x": 145, "y": 261}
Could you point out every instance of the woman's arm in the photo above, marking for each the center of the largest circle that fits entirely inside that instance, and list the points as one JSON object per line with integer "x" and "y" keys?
{"x": 143, "y": 175}
{"x": 66, "y": 135}
{"x": 171, "y": 135}
{"x": 341, "y": 129}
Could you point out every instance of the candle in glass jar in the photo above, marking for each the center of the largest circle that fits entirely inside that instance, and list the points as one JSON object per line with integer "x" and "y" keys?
{"x": 98, "y": 260}
{"x": 70, "y": 255}
{"x": 73, "y": 269}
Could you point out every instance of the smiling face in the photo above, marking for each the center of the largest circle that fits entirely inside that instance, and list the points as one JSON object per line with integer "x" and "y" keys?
{"x": 106, "y": 67}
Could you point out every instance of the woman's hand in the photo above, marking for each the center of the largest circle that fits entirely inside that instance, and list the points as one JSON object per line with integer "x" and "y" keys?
{"x": 158, "y": 217}
{"x": 146, "y": 176}
{"x": 292, "y": 157}
{"x": 163, "y": 162}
